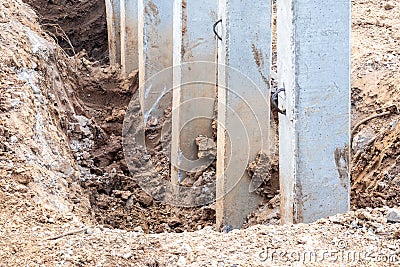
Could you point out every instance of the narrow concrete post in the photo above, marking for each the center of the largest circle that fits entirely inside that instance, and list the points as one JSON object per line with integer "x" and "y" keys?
{"x": 113, "y": 13}
{"x": 195, "y": 77}
{"x": 155, "y": 54}
{"x": 314, "y": 69}
{"x": 129, "y": 36}
{"x": 244, "y": 56}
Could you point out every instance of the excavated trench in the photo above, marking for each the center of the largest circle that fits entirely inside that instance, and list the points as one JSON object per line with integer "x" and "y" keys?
{"x": 102, "y": 97}
{"x": 76, "y": 25}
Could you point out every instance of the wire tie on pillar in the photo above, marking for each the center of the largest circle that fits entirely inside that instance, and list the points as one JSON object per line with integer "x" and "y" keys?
{"x": 274, "y": 101}
{"x": 215, "y": 29}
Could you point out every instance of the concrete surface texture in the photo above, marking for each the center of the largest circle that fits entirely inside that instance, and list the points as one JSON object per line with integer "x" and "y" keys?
{"x": 314, "y": 69}
{"x": 243, "y": 104}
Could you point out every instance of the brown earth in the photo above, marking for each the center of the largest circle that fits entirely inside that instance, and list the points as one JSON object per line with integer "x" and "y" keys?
{"x": 67, "y": 197}
{"x": 376, "y": 90}
{"x": 89, "y": 107}
{"x": 77, "y": 25}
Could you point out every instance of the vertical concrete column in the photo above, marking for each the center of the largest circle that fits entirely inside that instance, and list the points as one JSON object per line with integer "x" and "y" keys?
{"x": 129, "y": 36}
{"x": 244, "y": 55}
{"x": 195, "y": 78}
{"x": 314, "y": 69}
{"x": 155, "y": 54}
{"x": 113, "y": 13}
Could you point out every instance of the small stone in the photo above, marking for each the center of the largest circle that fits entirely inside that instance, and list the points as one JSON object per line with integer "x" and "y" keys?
{"x": 144, "y": 199}
{"x": 226, "y": 229}
{"x": 138, "y": 229}
{"x": 354, "y": 224}
{"x": 174, "y": 222}
{"x": 186, "y": 248}
{"x": 130, "y": 202}
{"x": 208, "y": 229}
{"x": 127, "y": 255}
{"x": 50, "y": 220}
{"x": 207, "y": 147}
{"x": 125, "y": 195}
{"x": 14, "y": 139}
{"x": 396, "y": 180}
{"x": 389, "y": 6}
{"x": 23, "y": 178}
{"x": 382, "y": 186}
{"x": 396, "y": 235}
{"x": 181, "y": 261}
{"x": 19, "y": 170}
{"x": 89, "y": 231}
{"x": 393, "y": 216}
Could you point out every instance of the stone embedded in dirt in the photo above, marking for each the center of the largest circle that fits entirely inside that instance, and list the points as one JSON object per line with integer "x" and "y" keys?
{"x": 23, "y": 178}
{"x": 3, "y": 130}
{"x": 127, "y": 255}
{"x": 396, "y": 234}
{"x": 393, "y": 216}
{"x": 138, "y": 229}
{"x": 260, "y": 171}
{"x": 124, "y": 195}
{"x": 396, "y": 180}
{"x": 181, "y": 261}
{"x": 226, "y": 229}
{"x": 207, "y": 147}
{"x": 14, "y": 139}
{"x": 267, "y": 214}
{"x": 389, "y": 6}
{"x": 144, "y": 199}
{"x": 174, "y": 222}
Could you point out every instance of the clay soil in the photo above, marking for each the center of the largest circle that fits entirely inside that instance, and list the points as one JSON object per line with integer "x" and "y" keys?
{"x": 68, "y": 198}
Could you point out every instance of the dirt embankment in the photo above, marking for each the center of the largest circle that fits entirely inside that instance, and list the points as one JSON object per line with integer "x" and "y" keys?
{"x": 79, "y": 110}
{"x": 375, "y": 104}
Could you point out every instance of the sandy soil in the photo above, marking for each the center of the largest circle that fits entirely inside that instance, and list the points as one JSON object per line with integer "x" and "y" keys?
{"x": 66, "y": 196}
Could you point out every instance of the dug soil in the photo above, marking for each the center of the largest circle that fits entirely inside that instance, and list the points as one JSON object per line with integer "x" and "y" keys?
{"x": 68, "y": 198}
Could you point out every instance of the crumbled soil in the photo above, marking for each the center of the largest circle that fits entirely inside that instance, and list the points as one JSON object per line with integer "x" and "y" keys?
{"x": 67, "y": 196}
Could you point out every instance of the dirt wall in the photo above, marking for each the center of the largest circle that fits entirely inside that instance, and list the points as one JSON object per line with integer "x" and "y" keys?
{"x": 83, "y": 22}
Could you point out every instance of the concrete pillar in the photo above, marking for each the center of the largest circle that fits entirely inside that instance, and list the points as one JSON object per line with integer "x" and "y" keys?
{"x": 129, "y": 36}
{"x": 113, "y": 13}
{"x": 195, "y": 77}
{"x": 155, "y": 54}
{"x": 244, "y": 57}
{"x": 314, "y": 68}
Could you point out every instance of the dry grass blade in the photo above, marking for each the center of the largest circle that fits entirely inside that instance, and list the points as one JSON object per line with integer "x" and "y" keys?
{"x": 63, "y": 35}
{"x": 68, "y": 233}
